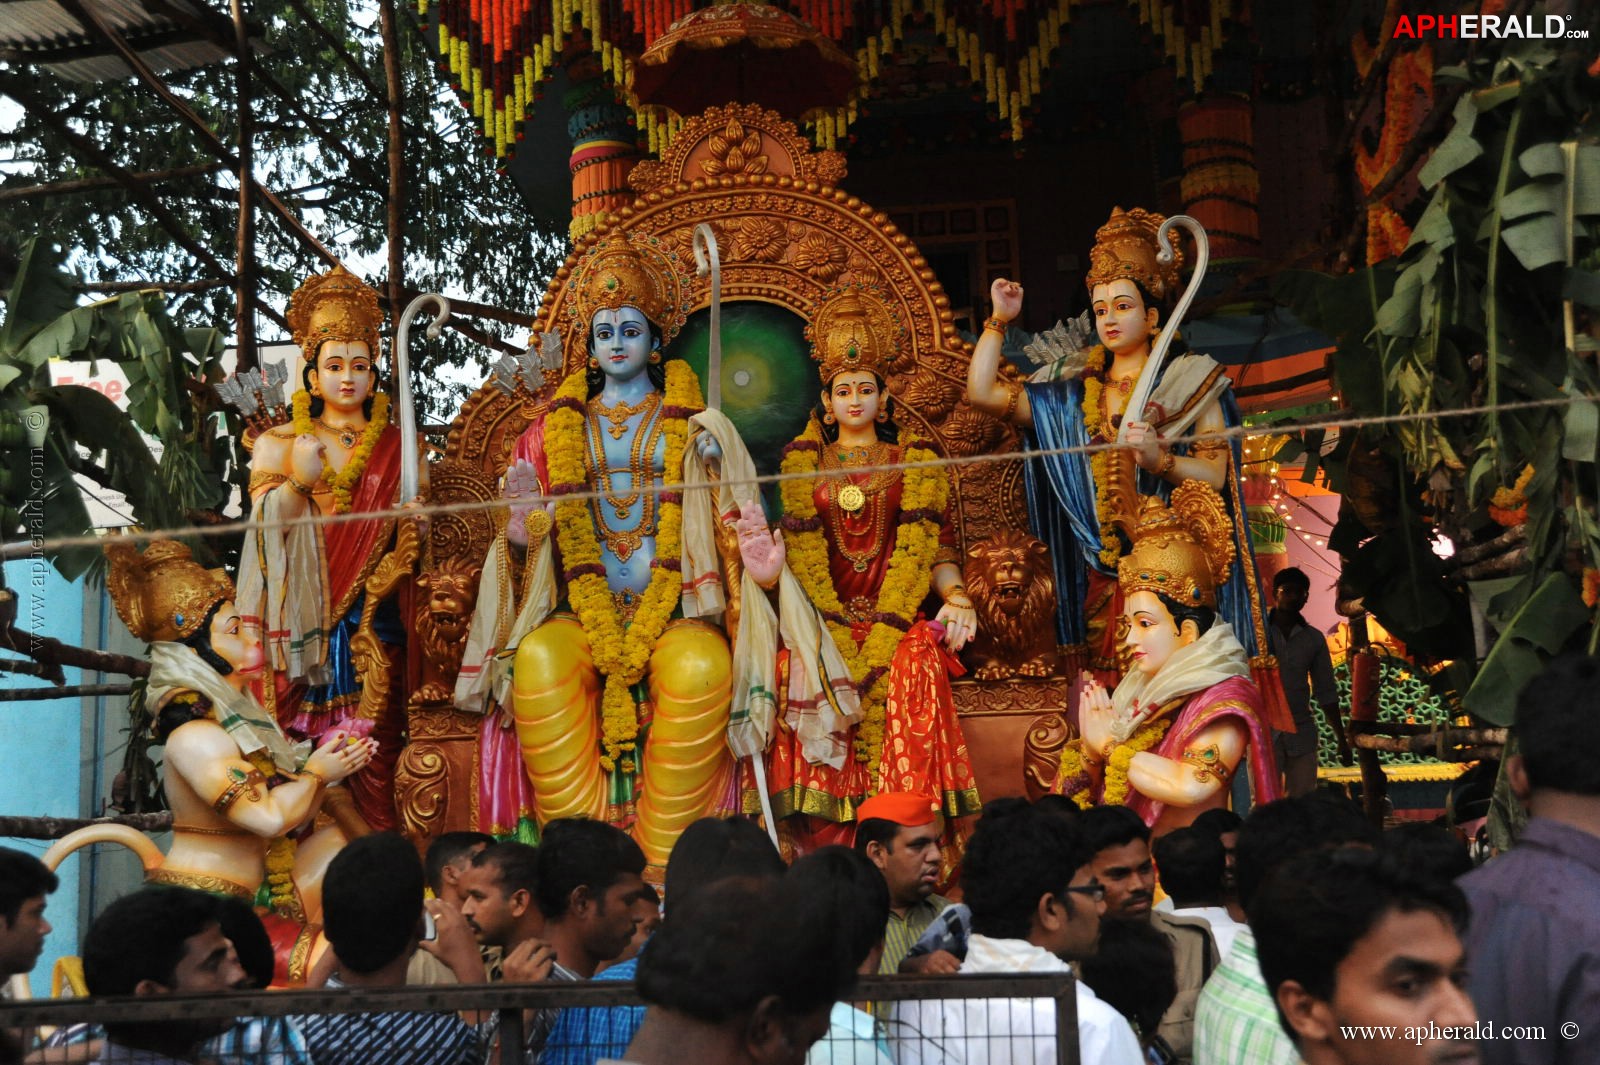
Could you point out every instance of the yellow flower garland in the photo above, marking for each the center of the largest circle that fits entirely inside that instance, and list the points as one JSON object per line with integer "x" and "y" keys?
{"x": 1114, "y": 791}
{"x": 1099, "y": 461}
{"x": 345, "y": 480}
{"x": 904, "y": 587}
{"x": 621, "y": 653}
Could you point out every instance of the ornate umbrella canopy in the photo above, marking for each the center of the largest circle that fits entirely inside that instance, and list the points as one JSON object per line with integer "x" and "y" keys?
{"x": 746, "y": 52}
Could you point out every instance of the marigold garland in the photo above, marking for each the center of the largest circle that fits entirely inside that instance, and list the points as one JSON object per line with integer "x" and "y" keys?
{"x": 925, "y": 492}
{"x": 344, "y": 481}
{"x": 1100, "y": 461}
{"x": 280, "y": 877}
{"x": 1114, "y": 790}
{"x": 621, "y": 653}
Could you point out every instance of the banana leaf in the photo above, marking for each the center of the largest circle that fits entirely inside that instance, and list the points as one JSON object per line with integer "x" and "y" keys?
{"x": 1541, "y": 629}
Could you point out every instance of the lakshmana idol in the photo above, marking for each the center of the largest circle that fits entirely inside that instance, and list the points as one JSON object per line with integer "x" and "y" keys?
{"x": 1169, "y": 740}
{"x": 302, "y": 587}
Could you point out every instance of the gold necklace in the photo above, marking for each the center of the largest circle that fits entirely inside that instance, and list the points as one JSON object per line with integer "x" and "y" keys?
{"x": 347, "y": 434}
{"x": 846, "y": 496}
{"x": 623, "y": 543}
{"x": 618, "y": 416}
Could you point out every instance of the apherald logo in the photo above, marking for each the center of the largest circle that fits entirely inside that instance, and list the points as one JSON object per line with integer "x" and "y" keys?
{"x": 1475, "y": 27}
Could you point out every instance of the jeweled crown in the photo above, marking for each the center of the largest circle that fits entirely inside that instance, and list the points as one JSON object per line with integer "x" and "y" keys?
{"x": 1183, "y": 550}
{"x": 1125, "y": 248}
{"x": 854, "y": 329}
{"x": 631, "y": 272}
{"x": 162, "y": 594}
{"x": 336, "y": 305}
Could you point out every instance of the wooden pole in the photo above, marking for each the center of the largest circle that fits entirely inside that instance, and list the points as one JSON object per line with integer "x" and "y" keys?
{"x": 56, "y": 827}
{"x": 54, "y": 654}
{"x": 245, "y": 239}
{"x": 69, "y": 691}
{"x": 395, "y": 227}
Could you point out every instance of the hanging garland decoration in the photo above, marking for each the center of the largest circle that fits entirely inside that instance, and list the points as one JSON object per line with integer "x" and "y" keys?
{"x": 925, "y": 492}
{"x": 344, "y": 481}
{"x": 621, "y": 653}
{"x": 1100, "y": 461}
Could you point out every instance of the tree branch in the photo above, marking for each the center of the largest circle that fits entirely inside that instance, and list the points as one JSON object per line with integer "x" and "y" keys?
{"x": 56, "y": 827}
{"x": 67, "y": 188}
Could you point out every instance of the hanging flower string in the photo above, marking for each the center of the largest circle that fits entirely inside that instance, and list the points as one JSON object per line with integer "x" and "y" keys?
{"x": 621, "y": 652}
{"x": 925, "y": 492}
{"x": 344, "y": 481}
{"x": 1100, "y": 461}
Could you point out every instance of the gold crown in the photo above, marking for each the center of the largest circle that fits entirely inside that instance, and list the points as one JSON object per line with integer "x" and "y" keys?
{"x": 854, "y": 329}
{"x": 163, "y": 594}
{"x": 1182, "y": 550}
{"x": 1125, "y": 248}
{"x": 336, "y": 305}
{"x": 630, "y": 272}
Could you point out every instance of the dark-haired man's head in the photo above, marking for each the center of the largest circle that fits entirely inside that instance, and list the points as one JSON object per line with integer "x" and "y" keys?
{"x": 1119, "y": 841}
{"x": 1351, "y": 943}
{"x": 449, "y": 858}
{"x": 714, "y": 849}
{"x": 851, "y": 887}
{"x": 1290, "y": 590}
{"x": 24, "y": 883}
{"x": 1280, "y": 830}
{"x": 739, "y": 975}
{"x": 589, "y": 876}
{"x": 899, "y": 833}
{"x": 1134, "y": 972}
{"x": 1027, "y": 876}
{"x": 372, "y": 904}
{"x": 497, "y": 894}
{"x": 1431, "y": 849}
{"x": 251, "y": 944}
{"x": 161, "y": 941}
{"x": 1192, "y": 864}
{"x": 1224, "y": 824}
{"x": 1558, "y": 716}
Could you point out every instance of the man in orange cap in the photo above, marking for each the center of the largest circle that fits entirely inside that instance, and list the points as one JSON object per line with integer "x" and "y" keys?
{"x": 900, "y": 833}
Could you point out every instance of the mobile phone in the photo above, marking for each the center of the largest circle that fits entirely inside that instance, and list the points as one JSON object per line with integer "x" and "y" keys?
{"x": 430, "y": 929}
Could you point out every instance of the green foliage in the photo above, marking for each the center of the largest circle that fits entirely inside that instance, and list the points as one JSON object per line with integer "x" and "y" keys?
{"x": 1471, "y": 314}
{"x": 467, "y": 232}
{"x": 56, "y": 434}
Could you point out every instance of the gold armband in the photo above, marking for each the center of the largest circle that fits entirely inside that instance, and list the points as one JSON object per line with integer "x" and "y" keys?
{"x": 1013, "y": 395}
{"x": 1169, "y": 461}
{"x": 265, "y": 479}
{"x": 1208, "y": 763}
{"x": 303, "y": 489}
{"x": 240, "y": 783}
{"x": 994, "y": 324}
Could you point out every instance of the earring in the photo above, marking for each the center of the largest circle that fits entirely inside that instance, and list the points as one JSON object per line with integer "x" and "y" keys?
{"x": 828, "y": 418}
{"x": 316, "y": 390}
{"x": 655, "y": 356}
{"x": 883, "y": 415}
{"x": 594, "y": 363}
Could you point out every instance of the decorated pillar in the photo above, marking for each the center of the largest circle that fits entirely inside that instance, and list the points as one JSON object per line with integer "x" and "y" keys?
{"x": 604, "y": 144}
{"x": 1220, "y": 185}
{"x": 1267, "y": 527}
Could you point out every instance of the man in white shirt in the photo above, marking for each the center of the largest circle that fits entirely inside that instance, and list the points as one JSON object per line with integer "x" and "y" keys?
{"x": 1191, "y": 863}
{"x": 1035, "y": 908}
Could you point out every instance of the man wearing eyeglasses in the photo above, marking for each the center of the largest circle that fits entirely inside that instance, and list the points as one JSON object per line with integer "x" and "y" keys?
{"x": 1036, "y": 907}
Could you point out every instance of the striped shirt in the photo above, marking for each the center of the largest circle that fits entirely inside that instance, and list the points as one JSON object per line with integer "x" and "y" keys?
{"x": 1235, "y": 1022}
{"x": 399, "y": 1037}
{"x": 901, "y": 933}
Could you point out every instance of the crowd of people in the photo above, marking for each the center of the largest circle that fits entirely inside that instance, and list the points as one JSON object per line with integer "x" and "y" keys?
{"x": 1299, "y": 934}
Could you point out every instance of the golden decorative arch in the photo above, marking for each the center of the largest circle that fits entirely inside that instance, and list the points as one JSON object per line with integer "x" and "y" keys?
{"x": 786, "y": 238}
